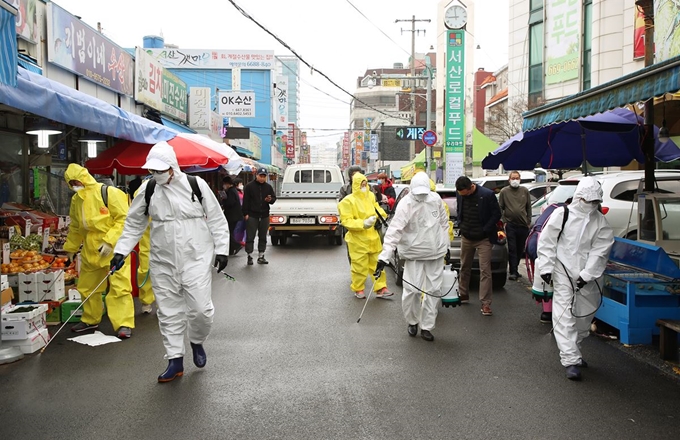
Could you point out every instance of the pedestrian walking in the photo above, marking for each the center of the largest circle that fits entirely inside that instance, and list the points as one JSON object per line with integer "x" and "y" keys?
{"x": 573, "y": 255}
{"x": 231, "y": 206}
{"x": 478, "y": 214}
{"x": 420, "y": 230}
{"x": 97, "y": 224}
{"x": 257, "y": 196}
{"x": 188, "y": 232}
{"x": 515, "y": 203}
{"x": 358, "y": 214}
{"x": 386, "y": 191}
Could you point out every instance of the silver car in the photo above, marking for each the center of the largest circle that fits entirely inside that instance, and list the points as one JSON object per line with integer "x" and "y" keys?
{"x": 499, "y": 254}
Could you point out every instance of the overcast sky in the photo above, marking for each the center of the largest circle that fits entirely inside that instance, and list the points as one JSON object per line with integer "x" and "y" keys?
{"x": 329, "y": 34}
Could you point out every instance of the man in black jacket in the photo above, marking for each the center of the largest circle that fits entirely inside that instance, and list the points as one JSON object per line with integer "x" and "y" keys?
{"x": 231, "y": 206}
{"x": 478, "y": 214}
{"x": 257, "y": 196}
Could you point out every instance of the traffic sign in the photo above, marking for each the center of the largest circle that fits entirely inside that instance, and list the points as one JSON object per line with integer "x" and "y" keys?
{"x": 410, "y": 133}
{"x": 429, "y": 138}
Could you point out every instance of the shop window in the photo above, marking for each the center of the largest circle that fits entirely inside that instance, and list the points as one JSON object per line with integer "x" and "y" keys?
{"x": 587, "y": 43}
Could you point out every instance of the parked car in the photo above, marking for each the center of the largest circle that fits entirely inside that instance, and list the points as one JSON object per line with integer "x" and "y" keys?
{"x": 618, "y": 202}
{"x": 497, "y": 183}
{"x": 539, "y": 189}
{"x": 499, "y": 254}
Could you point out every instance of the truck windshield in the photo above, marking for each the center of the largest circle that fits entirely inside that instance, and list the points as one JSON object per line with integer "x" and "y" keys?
{"x": 312, "y": 176}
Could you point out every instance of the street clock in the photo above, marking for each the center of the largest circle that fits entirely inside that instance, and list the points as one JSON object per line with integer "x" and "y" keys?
{"x": 455, "y": 17}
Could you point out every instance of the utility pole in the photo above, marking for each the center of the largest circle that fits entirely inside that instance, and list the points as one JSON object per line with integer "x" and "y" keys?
{"x": 648, "y": 141}
{"x": 414, "y": 32}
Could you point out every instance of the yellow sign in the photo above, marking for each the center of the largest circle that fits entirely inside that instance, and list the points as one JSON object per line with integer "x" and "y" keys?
{"x": 390, "y": 83}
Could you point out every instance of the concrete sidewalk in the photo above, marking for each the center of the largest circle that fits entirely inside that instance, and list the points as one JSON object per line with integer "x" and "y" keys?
{"x": 648, "y": 354}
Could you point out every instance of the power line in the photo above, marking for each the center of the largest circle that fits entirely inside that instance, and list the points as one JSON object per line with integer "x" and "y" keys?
{"x": 376, "y": 26}
{"x": 308, "y": 83}
{"x": 313, "y": 69}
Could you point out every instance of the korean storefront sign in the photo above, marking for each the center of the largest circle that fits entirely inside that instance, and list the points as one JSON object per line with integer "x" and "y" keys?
{"x": 215, "y": 59}
{"x": 563, "y": 36}
{"x": 281, "y": 102}
{"x": 290, "y": 142}
{"x": 26, "y": 19}
{"x": 199, "y": 108}
{"x": 345, "y": 150}
{"x": 454, "y": 134}
{"x": 158, "y": 88}
{"x": 174, "y": 96}
{"x": 236, "y": 103}
{"x": 76, "y": 47}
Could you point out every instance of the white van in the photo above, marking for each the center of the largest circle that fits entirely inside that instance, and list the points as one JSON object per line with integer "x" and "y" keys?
{"x": 497, "y": 183}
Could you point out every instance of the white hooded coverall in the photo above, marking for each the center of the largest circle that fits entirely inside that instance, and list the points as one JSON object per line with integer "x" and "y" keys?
{"x": 420, "y": 232}
{"x": 185, "y": 237}
{"x": 582, "y": 251}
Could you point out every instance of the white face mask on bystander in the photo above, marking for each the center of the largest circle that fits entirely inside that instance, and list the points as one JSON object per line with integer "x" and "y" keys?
{"x": 514, "y": 183}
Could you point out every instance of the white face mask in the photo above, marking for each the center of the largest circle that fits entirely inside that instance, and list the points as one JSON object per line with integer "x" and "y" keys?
{"x": 420, "y": 197}
{"x": 364, "y": 189}
{"x": 78, "y": 188}
{"x": 162, "y": 178}
{"x": 589, "y": 207}
{"x": 514, "y": 183}
{"x": 240, "y": 187}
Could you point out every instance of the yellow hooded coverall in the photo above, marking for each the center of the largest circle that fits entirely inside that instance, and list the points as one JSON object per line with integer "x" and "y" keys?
{"x": 146, "y": 295}
{"x": 93, "y": 224}
{"x": 363, "y": 244}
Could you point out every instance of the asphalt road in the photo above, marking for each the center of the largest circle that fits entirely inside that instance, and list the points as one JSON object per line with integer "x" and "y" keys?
{"x": 287, "y": 360}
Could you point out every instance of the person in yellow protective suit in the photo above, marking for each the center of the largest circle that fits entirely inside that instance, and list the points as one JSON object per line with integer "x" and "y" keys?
{"x": 358, "y": 215}
{"x": 96, "y": 226}
{"x": 146, "y": 296}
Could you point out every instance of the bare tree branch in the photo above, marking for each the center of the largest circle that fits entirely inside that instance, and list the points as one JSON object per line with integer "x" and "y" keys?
{"x": 504, "y": 120}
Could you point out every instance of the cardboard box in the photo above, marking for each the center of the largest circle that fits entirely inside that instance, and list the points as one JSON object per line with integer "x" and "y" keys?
{"x": 53, "y": 316}
{"x": 4, "y": 282}
{"x": 16, "y": 326}
{"x": 6, "y": 297}
{"x": 67, "y": 307}
{"x": 28, "y": 290}
{"x": 19, "y": 329}
{"x": 51, "y": 285}
{"x": 34, "y": 342}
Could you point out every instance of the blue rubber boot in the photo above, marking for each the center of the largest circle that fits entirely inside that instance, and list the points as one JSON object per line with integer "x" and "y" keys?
{"x": 200, "y": 357}
{"x": 175, "y": 369}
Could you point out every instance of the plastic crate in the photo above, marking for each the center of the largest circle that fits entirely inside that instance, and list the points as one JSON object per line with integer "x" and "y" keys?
{"x": 67, "y": 307}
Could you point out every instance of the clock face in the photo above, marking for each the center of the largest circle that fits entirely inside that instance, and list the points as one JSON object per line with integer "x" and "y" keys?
{"x": 455, "y": 17}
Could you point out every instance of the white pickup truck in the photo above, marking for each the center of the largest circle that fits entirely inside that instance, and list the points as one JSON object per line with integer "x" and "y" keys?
{"x": 307, "y": 204}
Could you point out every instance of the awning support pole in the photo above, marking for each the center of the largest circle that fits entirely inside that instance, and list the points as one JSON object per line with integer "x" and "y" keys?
{"x": 648, "y": 141}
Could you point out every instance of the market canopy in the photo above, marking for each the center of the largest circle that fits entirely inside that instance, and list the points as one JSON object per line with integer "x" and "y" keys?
{"x": 612, "y": 138}
{"x": 417, "y": 164}
{"x": 481, "y": 146}
{"x": 128, "y": 157}
{"x": 43, "y": 97}
{"x": 655, "y": 80}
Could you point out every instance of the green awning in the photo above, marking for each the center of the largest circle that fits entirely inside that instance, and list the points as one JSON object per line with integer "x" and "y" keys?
{"x": 655, "y": 80}
{"x": 417, "y": 164}
{"x": 481, "y": 147}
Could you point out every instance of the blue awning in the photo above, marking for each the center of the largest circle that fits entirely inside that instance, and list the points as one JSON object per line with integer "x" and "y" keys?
{"x": 50, "y": 99}
{"x": 8, "y": 45}
{"x": 29, "y": 64}
{"x": 176, "y": 126}
{"x": 242, "y": 151}
{"x": 642, "y": 85}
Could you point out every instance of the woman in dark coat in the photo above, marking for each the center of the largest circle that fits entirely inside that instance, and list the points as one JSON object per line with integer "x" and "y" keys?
{"x": 231, "y": 206}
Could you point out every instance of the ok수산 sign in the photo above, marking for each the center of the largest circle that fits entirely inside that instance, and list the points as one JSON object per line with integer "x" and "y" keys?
{"x": 236, "y": 104}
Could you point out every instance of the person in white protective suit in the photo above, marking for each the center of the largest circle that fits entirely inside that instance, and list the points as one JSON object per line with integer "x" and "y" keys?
{"x": 187, "y": 233}
{"x": 573, "y": 263}
{"x": 420, "y": 232}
